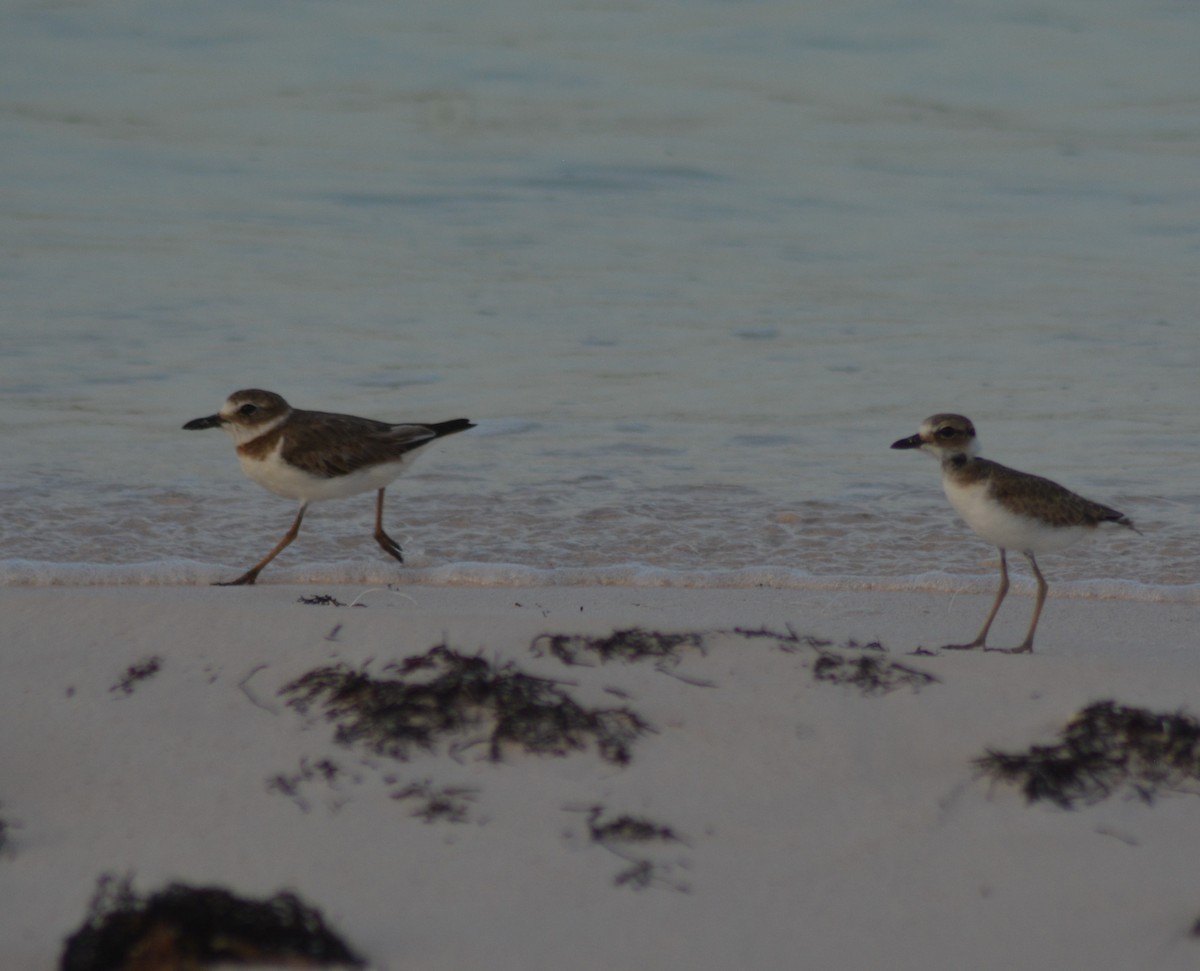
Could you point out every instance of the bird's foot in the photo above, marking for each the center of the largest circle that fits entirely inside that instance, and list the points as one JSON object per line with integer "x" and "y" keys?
{"x": 245, "y": 580}
{"x": 389, "y": 545}
{"x": 1020, "y": 649}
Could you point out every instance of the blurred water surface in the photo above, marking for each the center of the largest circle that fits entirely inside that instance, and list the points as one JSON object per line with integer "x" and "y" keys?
{"x": 692, "y": 266}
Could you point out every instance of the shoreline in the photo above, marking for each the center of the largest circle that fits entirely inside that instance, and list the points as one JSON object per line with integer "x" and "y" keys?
{"x": 816, "y": 823}
{"x": 186, "y": 574}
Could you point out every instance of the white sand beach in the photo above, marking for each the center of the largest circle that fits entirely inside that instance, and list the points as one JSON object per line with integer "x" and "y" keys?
{"x": 795, "y": 822}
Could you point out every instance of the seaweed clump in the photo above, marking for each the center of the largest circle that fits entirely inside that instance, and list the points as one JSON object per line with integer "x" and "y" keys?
{"x": 443, "y": 693}
{"x": 868, "y": 673}
{"x": 446, "y": 804}
{"x": 137, "y": 672}
{"x": 618, "y": 833}
{"x": 185, "y": 928}
{"x": 1104, "y": 748}
{"x": 320, "y": 600}
{"x": 628, "y": 645}
{"x": 626, "y": 829}
{"x": 290, "y": 785}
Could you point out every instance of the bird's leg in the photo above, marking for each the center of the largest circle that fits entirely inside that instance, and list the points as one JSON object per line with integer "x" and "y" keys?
{"x": 390, "y": 546}
{"x": 251, "y": 575}
{"x": 1026, "y": 646}
{"x": 981, "y": 640}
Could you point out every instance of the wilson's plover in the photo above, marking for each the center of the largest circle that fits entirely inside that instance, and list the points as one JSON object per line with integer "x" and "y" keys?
{"x": 1013, "y": 510}
{"x": 313, "y": 455}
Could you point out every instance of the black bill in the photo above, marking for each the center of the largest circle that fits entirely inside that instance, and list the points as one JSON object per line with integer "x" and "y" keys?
{"x": 212, "y": 421}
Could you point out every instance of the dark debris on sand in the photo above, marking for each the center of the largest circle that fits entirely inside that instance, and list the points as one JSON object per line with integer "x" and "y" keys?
{"x": 863, "y": 667}
{"x": 868, "y": 673}
{"x": 626, "y": 829}
{"x": 629, "y": 645}
{"x": 291, "y": 784}
{"x": 790, "y": 641}
{"x": 859, "y": 666}
{"x": 325, "y": 600}
{"x": 630, "y": 838}
{"x": 427, "y": 800}
{"x": 183, "y": 928}
{"x": 1105, "y": 748}
{"x": 449, "y": 804}
{"x": 136, "y": 673}
{"x": 443, "y": 694}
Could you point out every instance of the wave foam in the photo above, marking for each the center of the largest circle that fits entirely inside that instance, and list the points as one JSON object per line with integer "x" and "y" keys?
{"x": 183, "y": 572}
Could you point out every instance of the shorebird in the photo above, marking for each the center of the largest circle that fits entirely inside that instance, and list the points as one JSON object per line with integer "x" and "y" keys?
{"x": 314, "y": 455}
{"x": 1010, "y": 509}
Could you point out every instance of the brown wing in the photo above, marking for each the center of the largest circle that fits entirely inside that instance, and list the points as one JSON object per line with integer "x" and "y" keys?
{"x": 331, "y": 445}
{"x": 1048, "y": 500}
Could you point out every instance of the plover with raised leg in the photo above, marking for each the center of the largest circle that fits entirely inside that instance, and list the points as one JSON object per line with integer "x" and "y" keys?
{"x": 314, "y": 455}
{"x": 1010, "y": 509}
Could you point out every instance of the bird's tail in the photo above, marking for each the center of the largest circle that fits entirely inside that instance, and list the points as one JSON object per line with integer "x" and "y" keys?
{"x": 441, "y": 428}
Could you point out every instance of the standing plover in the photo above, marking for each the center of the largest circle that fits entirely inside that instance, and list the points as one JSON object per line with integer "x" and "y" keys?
{"x": 1013, "y": 510}
{"x": 313, "y": 455}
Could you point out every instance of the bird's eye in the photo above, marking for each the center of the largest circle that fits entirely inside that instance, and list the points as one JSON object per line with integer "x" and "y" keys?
{"x": 247, "y": 410}
{"x": 946, "y": 432}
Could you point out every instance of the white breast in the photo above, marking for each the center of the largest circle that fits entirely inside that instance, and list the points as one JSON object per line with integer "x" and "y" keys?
{"x": 277, "y": 476}
{"x": 1006, "y": 527}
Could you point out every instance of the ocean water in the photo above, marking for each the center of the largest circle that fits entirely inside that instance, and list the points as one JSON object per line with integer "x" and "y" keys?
{"x": 691, "y": 266}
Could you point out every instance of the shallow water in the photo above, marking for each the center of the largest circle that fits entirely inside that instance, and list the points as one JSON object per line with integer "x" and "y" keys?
{"x": 692, "y": 267}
